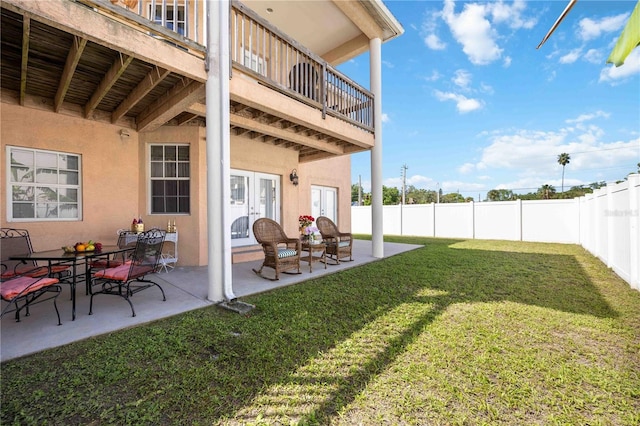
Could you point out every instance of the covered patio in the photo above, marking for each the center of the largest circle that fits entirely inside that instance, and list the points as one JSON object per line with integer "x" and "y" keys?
{"x": 186, "y": 289}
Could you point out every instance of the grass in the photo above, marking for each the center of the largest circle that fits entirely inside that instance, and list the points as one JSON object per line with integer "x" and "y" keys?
{"x": 455, "y": 333}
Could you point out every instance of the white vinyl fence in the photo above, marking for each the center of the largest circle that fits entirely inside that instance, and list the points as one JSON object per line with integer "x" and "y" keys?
{"x": 606, "y": 223}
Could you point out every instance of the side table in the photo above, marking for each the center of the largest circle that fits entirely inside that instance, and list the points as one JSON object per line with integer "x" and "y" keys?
{"x": 314, "y": 248}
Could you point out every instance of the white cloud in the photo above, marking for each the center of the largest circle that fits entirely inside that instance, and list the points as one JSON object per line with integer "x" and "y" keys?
{"x": 631, "y": 66}
{"x": 587, "y": 117}
{"x": 463, "y": 104}
{"x": 473, "y": 31}
{"x": 433, "y": 42}
{"x": 534, "y": 153}
{"x": 435, "y": 75}
{"x": 570, "y": 57}
{"x": 507, "y": 62}
{"x": 590, "y": 29}
{"x": 466, "y": 168}
{"x": 385, "y": 117}
{"x": 388, "y": 64}
{"x": 462, "y": 78}
{"x": 594, "y": 56}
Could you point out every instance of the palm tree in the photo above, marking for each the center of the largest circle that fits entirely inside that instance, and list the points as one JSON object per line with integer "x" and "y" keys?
{"x": 563, "y": 160}
{"x": 546, "y": 191}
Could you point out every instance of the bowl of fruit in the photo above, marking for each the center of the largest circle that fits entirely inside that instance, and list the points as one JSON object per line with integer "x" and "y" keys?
{"x": 81, "y": 247}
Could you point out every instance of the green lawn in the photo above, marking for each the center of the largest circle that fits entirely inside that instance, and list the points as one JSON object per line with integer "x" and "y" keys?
{"x": 456, "y": 333}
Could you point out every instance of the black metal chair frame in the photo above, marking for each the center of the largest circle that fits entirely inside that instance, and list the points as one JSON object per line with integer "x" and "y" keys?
{"x": 31, "y": 293}
{"x": 130, "y": 278}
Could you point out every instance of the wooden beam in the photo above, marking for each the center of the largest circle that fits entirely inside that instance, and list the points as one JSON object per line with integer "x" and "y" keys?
{"x": 177, "y": 100}
{"x": 75, "y": 53}
{"x": 186, "y": 119}
{"x": 119, "y": 66}
{"x": 26, "y": 33}
{"x": 151, "y": 80}
{"x": 297, "y": 138}
{"x": 198, "y": 109}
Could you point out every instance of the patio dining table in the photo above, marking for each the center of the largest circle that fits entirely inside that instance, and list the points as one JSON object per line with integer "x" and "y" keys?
{"x": 74, "y": 260}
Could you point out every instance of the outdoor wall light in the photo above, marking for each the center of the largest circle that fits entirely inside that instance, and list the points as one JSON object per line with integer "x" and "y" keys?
{"x": 293, "y": 177}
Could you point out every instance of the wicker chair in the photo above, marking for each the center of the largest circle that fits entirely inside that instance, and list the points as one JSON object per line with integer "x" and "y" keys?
{"x": 280, "y": 252}
{"x": 339, "y": 244}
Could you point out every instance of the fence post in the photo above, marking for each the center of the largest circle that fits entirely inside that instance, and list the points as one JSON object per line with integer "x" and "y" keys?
{"x": 520, "y": 218}
{"x": 634, "y": 230}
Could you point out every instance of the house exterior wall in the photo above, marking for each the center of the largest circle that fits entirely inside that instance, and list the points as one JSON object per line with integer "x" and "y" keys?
{"x": 109, "y": 188}
{"x": 332, "y": 172}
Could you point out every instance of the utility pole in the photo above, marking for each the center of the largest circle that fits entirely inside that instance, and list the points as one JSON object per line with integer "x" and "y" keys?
{"x": 404, "y": 181}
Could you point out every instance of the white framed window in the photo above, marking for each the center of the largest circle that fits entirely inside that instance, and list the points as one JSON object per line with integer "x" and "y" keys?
{"x": 167, "y": 16}
{"x": 170, "y": 179}
{"x": 43, "y": 185}
{"x": 254, "y": 62}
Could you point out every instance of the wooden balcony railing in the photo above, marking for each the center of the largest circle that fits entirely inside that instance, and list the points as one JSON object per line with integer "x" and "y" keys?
{"x": 257, "y": 48}
{"x": 282, "y": 63}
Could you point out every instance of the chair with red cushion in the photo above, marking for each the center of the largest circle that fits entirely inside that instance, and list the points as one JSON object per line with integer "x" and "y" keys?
{"x": 22, "y": 291}
{"x": 131, "y": 277}
{"x": 15, "y": 242}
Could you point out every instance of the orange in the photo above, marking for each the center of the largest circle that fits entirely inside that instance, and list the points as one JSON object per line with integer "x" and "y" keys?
{"x": 80, "y": 247}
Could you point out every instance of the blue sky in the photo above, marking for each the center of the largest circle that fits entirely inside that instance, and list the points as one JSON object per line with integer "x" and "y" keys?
{"x": 470, "y": 105}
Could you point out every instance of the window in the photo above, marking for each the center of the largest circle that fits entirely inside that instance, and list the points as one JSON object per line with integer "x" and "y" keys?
{"x": 173, "y": 21}
{"x": 44, "y": 185}
{"x": 170, "y": 183}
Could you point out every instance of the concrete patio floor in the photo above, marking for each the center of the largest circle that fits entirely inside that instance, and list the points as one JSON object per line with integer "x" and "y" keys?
{"x": 186, "y": 289}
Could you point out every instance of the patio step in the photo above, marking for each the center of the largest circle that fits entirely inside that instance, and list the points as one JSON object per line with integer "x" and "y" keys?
{"x": 246, "y": 254}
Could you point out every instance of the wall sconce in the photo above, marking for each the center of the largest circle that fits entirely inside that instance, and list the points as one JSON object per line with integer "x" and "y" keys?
{"x": 124, "y": 133}
{"x": 293, "y": 177}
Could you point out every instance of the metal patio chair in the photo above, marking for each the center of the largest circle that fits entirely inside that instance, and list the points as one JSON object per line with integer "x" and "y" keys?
{"x": 131, "y": 277}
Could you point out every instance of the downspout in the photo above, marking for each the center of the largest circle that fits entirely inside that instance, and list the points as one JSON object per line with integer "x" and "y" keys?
{"x": 375, "y": 66}
{"x": 218, "y": 146}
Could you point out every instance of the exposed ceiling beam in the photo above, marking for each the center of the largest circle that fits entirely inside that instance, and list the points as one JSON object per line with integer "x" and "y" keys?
{"x": 177, "y": 100}
{"x": 155, "y": 76}
{"x": 186, "y": 118}
{"x": 26, "y": 31}
{"x": 73, "y": 57}
{"x": 119, "y": 66}
{"x": 198, "y": 109}
{"x": 266, "y": 129}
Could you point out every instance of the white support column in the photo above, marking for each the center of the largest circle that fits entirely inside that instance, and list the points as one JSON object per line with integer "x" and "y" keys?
{"x": 218, "y": 152}
{"x": 375, "y": 66}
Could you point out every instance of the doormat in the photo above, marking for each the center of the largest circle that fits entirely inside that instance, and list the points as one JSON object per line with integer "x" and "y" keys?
{"x": 236, "y": 305}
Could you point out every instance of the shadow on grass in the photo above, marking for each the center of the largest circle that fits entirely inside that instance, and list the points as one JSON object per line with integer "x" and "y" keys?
{"x": 306, "y": 351}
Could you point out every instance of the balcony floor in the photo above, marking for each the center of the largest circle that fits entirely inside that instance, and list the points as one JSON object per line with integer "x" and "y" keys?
{"x": 186, "y": 289}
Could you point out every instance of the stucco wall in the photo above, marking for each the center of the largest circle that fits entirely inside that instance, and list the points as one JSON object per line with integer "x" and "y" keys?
{"x": 247, "y": 154}
{"x": 332, "y": 172}
{"x": 110, "y": 177}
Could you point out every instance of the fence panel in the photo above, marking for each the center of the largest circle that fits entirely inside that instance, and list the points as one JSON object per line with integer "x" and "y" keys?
{"x": 606, "y": 223}
{"x": 498, "y": 221}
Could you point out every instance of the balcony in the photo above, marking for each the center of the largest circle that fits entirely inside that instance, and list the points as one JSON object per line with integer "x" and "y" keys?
{"x": 113, "y": 61}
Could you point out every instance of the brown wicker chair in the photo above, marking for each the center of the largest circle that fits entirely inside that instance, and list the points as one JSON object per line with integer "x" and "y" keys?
{"x": 280, "y": 252}
{"x": 339, "y": 244}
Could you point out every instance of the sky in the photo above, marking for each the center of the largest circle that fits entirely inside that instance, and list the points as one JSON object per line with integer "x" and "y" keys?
{"x": 470, "y": 105}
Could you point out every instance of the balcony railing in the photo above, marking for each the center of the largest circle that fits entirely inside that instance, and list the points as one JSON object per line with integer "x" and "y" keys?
{"x": 277, "y": 60}
{"x": 257, "y": 48}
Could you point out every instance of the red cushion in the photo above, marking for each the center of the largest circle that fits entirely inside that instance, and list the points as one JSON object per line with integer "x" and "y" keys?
{"x": 121, "y": 273}
{"x": 15, "y": 287}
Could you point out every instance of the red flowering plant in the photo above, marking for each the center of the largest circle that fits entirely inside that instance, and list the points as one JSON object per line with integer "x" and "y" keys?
{"x": 305, "y": 221}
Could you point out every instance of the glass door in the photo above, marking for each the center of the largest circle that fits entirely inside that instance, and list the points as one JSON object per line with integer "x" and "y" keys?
{"x": 324, "y": 202}
{"x": 253, "y": 195}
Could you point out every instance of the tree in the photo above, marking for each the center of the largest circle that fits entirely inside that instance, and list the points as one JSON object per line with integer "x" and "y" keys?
{"x": 563, "y": 160}
{"x": 354, "y": 193}
{"x": 500, "y": 195}
{"x": 390, "y": 196}
{"x": 546, "y": 191}
{"x": 420, "y": 196}
{"x": 452, "y": 197}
